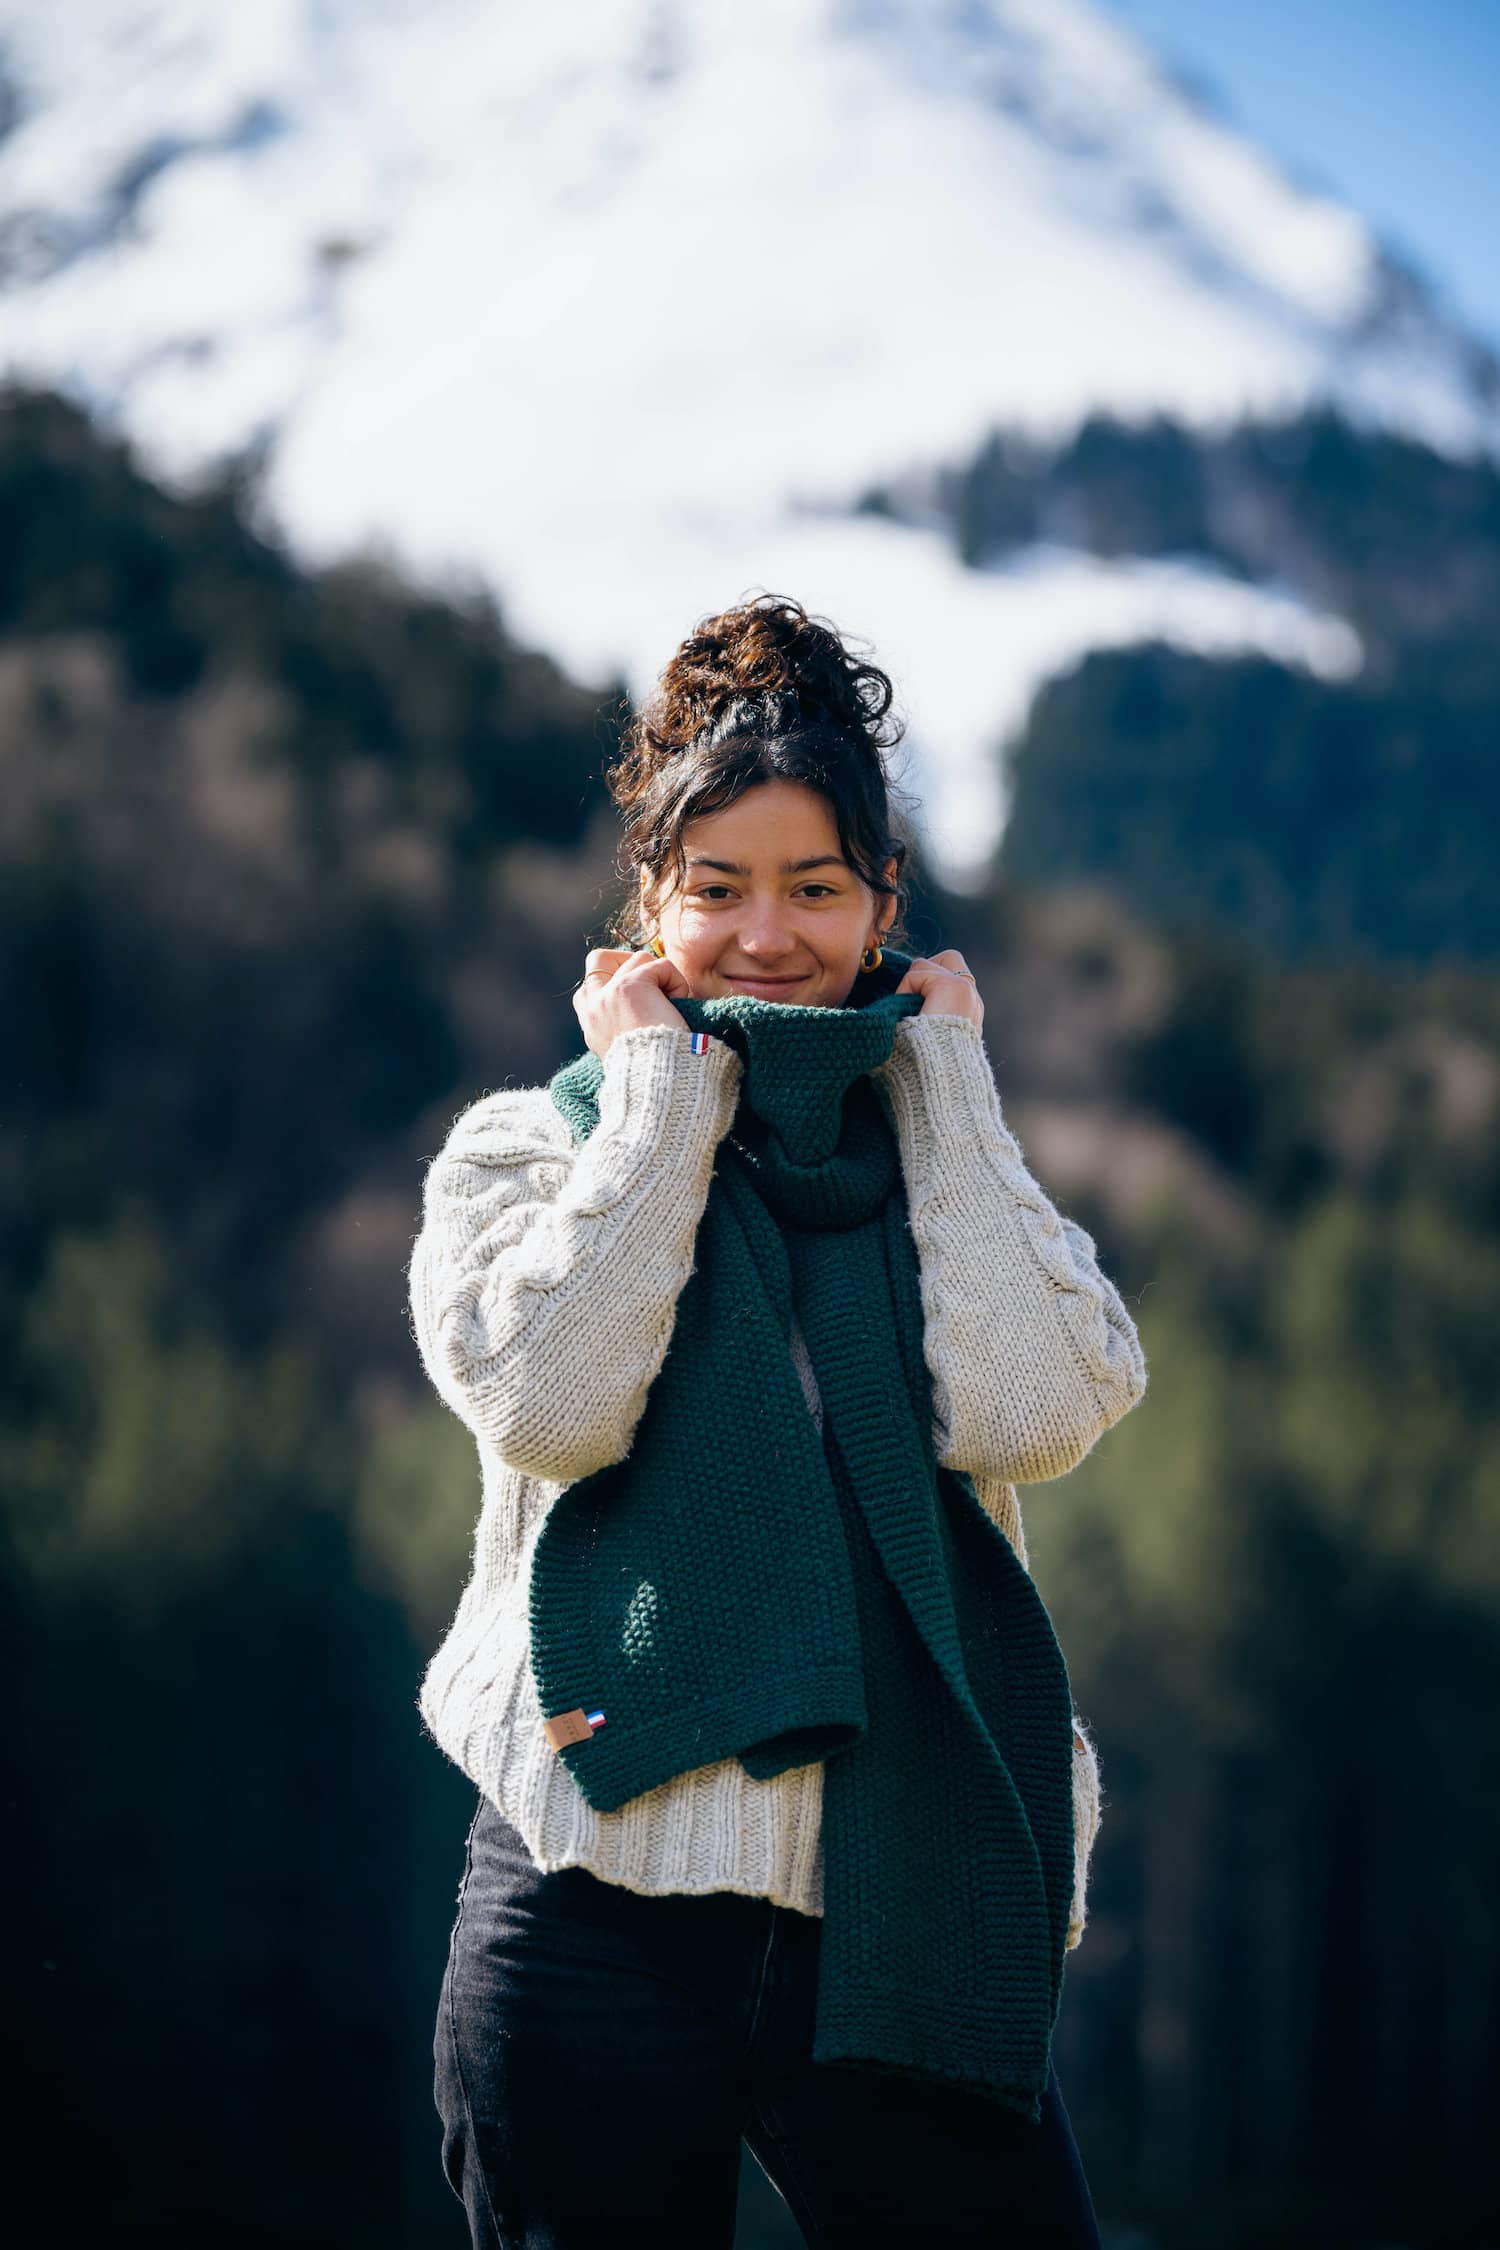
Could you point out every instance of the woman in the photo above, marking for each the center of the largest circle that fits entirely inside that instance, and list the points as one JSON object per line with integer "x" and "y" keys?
{"x": 784, "y": 1812}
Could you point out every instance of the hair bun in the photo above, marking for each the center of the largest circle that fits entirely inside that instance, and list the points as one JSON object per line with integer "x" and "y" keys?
{"x": 765, "y": 667}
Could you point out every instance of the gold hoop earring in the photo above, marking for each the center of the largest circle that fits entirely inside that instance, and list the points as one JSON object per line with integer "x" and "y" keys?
{"x": 865, "y": 962}
{"x": 658, "y": 948}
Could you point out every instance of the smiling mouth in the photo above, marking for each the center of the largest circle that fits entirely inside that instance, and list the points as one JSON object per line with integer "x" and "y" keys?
{"x": 771, "y": 983}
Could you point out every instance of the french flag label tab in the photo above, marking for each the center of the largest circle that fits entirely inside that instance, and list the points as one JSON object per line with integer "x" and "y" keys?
{"x": 572, "y": 1726}
{"x": 700, "y": 1042}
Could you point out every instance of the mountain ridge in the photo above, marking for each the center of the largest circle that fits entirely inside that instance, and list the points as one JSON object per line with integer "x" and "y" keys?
{"x": 617, "y": 310}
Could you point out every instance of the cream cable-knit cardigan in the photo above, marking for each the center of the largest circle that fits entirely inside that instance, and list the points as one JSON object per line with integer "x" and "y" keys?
{"x": 543, "y": 1289}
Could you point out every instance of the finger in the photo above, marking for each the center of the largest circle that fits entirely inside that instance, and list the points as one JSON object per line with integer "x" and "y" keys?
{"x": 603, "y": 961}
{"x": 666, "y": 973}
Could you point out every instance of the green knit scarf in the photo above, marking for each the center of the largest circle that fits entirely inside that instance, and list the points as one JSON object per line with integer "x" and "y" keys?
{"x": 735, "y": 1587}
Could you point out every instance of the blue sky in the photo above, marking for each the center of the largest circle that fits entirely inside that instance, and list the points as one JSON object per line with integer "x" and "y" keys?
{"x": 1390, "y": 103}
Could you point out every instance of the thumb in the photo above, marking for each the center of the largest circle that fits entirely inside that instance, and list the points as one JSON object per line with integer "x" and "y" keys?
{"x": 665, "y": 972}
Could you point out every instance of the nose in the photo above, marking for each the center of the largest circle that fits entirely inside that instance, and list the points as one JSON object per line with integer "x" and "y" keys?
{"x": 764, "y": 935}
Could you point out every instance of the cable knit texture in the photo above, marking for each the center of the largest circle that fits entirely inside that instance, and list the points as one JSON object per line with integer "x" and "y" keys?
{"x": 543, "y": 1286}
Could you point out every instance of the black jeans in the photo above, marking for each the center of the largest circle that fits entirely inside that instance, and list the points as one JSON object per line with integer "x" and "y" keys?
{"x": 600, "y": 2054}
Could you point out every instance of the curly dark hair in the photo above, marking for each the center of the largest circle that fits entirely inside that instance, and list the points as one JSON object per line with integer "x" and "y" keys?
{"x": 757, "y": 693}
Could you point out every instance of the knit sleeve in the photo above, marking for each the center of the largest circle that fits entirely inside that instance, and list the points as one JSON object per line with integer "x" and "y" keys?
{"x": 544, "y": 1281}
{"x": 1033, "y": 1355}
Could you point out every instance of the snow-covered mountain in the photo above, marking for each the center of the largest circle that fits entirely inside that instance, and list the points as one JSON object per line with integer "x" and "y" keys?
{"x": 618, "y": 304}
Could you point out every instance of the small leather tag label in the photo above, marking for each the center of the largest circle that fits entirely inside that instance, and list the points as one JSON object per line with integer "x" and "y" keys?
{"x": 568, "y": 1726}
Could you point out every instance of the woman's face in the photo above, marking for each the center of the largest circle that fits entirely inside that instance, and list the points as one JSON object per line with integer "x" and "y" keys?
{"x": 749, "y": 918}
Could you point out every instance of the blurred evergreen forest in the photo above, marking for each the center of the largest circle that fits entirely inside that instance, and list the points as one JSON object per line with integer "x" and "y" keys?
{"x": 292, "y": 867}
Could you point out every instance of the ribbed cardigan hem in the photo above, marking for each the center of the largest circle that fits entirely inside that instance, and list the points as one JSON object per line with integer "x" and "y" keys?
{"x": 610, "y": 1770}
{"x": 715, "y": 1828}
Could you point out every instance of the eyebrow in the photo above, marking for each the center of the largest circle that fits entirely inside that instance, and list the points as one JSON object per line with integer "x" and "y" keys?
{"x": 788, "y": 866}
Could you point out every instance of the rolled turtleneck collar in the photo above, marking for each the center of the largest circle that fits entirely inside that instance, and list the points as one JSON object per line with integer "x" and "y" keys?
{"x": 809, "y": 1125}
{"x": 799, "y": 1062}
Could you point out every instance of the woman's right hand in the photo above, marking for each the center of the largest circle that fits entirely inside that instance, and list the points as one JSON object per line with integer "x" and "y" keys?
{"x": 621, "y": 990}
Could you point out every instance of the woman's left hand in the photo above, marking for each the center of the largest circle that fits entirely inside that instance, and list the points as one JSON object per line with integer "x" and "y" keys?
{"x": 946, "y": 984}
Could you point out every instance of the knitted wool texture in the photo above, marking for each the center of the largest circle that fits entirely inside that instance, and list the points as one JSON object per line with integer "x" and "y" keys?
{"x": 735, "y": 1588}
{"x": 544, "y": 1282}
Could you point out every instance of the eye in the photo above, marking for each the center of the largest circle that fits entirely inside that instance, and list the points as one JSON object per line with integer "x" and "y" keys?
{"x": 707, "y": 890}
